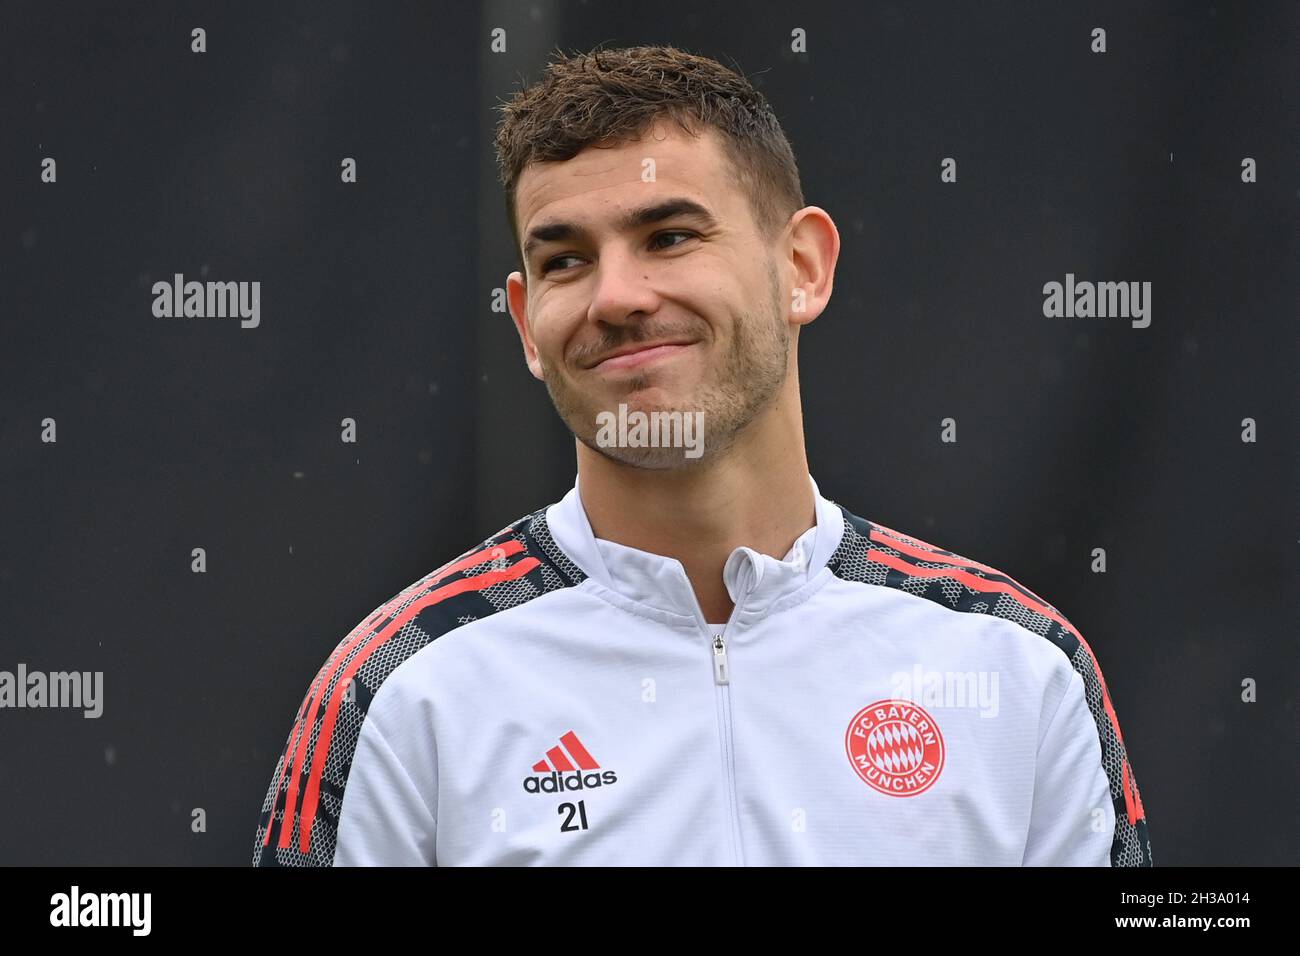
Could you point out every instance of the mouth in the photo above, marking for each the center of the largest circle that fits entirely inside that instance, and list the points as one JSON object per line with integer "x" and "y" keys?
{"x": 642, "y": 356}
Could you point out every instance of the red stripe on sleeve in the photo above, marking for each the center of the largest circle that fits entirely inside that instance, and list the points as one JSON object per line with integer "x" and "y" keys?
{"x": 358, "y": 634}
{"x": 984, "y": 585}
{"x": 311, "y": 797}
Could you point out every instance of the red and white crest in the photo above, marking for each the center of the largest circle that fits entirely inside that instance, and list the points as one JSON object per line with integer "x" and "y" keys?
{"x": 895, "y": 747}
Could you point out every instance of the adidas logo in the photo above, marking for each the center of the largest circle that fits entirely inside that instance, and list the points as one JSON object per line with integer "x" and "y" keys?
{"x": 561, "y": 774}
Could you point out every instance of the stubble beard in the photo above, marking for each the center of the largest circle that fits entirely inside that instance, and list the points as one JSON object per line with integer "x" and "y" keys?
{"x": 747, "y": 382}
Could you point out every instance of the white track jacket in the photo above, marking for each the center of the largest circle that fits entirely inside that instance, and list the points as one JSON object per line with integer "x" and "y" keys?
{"x": 551, "y": 698}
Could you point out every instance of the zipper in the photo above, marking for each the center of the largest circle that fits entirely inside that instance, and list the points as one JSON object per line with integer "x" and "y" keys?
{"x": 722, "y": 681}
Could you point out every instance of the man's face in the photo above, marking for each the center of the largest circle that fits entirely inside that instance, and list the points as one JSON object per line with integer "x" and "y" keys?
{"x": 601, "y": 279}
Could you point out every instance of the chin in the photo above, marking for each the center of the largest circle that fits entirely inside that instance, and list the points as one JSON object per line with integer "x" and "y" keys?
{"x": 649, "y": 459}
{"x": 652, "y": 392}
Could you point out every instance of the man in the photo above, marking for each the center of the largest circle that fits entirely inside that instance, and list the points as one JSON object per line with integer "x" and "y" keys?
{"x": 694, "y": 657}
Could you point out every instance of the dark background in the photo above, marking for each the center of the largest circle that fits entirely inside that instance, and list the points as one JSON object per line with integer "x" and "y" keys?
{"x": 376, "y": 304}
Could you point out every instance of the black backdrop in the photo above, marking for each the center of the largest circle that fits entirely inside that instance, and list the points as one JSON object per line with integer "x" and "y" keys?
{"x": 1073, "y": 433}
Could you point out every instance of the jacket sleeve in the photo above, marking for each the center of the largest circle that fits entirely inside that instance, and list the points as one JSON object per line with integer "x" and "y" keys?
{"x": 1072, "y": 818}
{"x": 1086, "y": 809}
{"x": 386, "y": 819}
{"x": 340, "y": 795}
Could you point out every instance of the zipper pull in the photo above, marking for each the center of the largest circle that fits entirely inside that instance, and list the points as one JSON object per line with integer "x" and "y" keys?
{"x": 719, "y": 660}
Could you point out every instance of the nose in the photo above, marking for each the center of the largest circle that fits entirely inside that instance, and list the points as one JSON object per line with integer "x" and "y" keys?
{"x": 622, "y": 288}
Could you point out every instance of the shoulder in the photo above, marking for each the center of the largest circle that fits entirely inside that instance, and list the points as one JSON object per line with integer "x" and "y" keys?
{"x": 299, "y": 820}
{"x": 517, "y": 564}
{"x": 872, "y": 553}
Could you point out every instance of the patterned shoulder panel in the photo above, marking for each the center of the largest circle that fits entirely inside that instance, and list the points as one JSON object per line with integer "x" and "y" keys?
{"x": 873, "y": 554}
{"x": 300, "y": 815}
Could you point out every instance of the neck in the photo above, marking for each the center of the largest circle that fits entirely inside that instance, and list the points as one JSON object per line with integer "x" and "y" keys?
{"x": 757, "y": 495}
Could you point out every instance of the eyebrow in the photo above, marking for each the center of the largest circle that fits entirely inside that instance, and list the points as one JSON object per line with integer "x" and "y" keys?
{"x": 633, "y": 219}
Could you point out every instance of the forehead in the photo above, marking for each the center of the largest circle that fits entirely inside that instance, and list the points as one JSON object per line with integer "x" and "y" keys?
{"x": 612, "y": 176}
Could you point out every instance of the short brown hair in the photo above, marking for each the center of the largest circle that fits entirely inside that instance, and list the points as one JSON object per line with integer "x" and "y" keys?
{"x": 605, "y": 95}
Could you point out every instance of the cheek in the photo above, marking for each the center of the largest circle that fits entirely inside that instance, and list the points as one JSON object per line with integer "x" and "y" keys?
{"x": 551, "y": 339}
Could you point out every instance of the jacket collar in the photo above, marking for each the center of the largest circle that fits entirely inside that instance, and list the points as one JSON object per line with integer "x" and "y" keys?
{"x": 755, "y": 581}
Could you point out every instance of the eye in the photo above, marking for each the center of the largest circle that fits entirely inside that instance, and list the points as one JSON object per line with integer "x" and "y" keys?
{"x": 676, "y": 232}
{"x": 550, "y": 264}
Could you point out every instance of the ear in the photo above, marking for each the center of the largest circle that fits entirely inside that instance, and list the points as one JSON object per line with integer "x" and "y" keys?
{"x": 814, "y": 248}
{"x": 517, "y": 300}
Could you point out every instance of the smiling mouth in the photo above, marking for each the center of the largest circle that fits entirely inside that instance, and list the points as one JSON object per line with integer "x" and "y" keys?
{"x": 642, "y": 357}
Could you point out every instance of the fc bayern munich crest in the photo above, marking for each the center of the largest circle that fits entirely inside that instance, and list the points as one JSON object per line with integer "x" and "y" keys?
{"x": 895, "y": 747}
